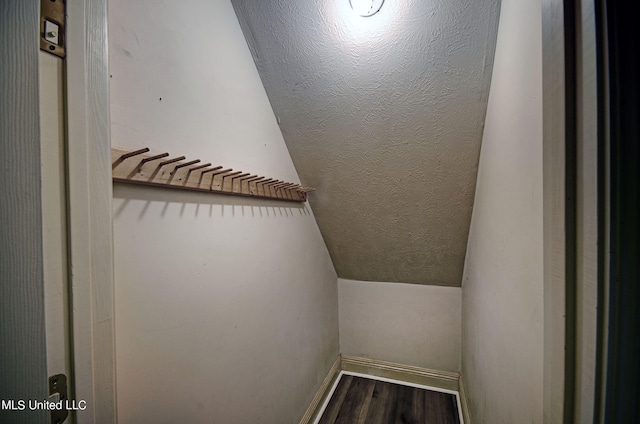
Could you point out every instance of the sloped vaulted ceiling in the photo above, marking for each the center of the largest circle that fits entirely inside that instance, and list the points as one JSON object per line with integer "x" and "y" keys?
{"x": 384, "y": 116}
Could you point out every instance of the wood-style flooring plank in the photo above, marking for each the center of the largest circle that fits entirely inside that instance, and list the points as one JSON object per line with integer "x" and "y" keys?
{"x": 441, "y": 408}
{"x": 353, "y": 402}
{"x": 359, "y": 400}
{"x": 404, "y": 410}
{"x": 383, "y": 406}
{"x": 418, "y": 404}
{"x": 368, "y": 397}
{"x": 333, "y": 407}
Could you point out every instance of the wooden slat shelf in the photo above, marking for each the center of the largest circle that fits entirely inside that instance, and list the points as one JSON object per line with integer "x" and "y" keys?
{"x": 163, "y": 170}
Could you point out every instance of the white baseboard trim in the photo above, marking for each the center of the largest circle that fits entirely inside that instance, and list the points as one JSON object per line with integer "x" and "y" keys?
{"x": 407, "y": 373}
{"x": 446, "y": 381}
{"x": 463, "y": 402}
{"x": 324, "y": 392}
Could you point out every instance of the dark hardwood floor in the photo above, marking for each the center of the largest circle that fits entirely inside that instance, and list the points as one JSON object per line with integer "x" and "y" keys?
{"x": 359, "y": 400}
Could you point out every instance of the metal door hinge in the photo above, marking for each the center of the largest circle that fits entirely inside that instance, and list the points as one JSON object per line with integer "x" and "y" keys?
{"x": 52, "y": 26}
{"x": 59, "y": 396}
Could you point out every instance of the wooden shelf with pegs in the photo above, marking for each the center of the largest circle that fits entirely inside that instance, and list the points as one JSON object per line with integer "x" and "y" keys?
{"x": 162, "y": 170}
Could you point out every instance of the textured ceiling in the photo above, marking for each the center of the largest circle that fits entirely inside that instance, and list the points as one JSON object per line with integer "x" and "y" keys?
{"x": 384, "y": 116}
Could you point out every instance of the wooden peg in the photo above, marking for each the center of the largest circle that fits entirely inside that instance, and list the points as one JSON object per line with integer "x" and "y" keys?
{"x": 288, "y": 185}
{"x": 239, "y": 176}
{"x": 280, "y": 193}
{"x": 200, "y": 167}
{"x": 215, "y": 169}
{"x": 149, "y": 159}
{"x": 247, "y": 177}
{"x": 134, "y": 153}
{"x": 182, "y": 165}
{"x": 227, "y": 184}
{"x": 232, "y": 174}
{"x": 272, "y": 193}
{"x": 254, "y": 180}
{"x": 219, "y": 185}
{"x": 167, "y": 162}
{"x": 287, "y": 192}
{"x": 261, "y": 186}
{"x": 220, "y": 172}
{"x": 249, "y": 180}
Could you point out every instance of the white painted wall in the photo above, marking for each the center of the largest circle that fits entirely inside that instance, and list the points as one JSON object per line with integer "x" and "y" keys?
{"x": 409, "y": 324}
{"x": 226, "y": 307}
{"x": 502, "y": 292}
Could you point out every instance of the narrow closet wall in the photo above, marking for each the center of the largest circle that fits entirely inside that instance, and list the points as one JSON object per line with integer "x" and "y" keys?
{"x": 502, "y": 288}
{"x": 411, "y": 324}
{"x": 226, "y": 307}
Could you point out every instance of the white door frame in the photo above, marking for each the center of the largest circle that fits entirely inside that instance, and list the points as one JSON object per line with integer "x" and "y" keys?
{"x": 23, "y": 365}
{"x": 570, "y": 226}
{"x": 90, "y": 212}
